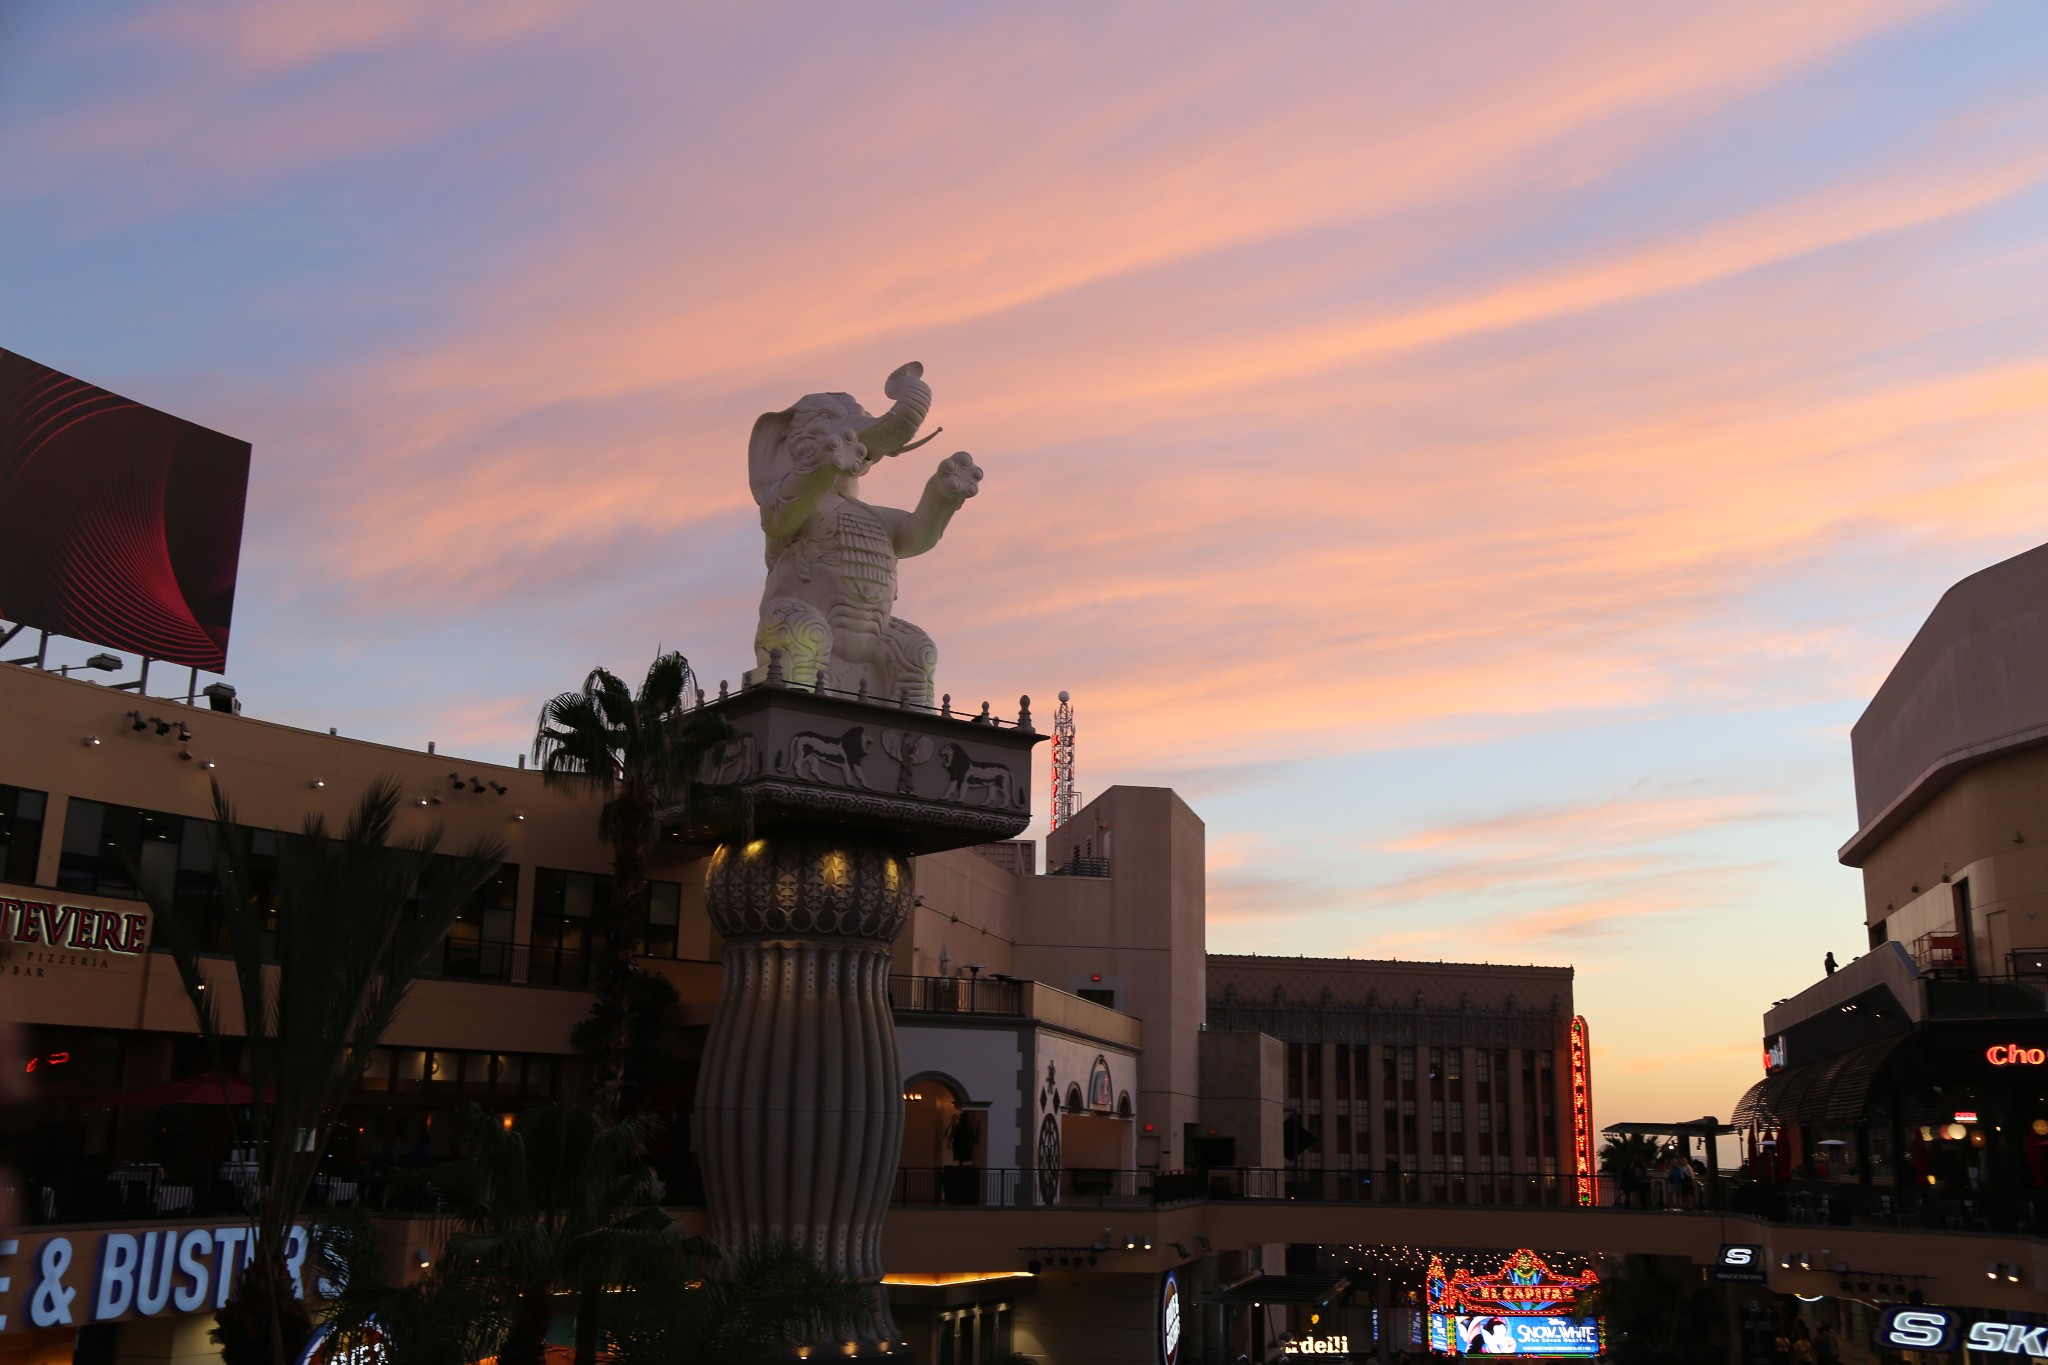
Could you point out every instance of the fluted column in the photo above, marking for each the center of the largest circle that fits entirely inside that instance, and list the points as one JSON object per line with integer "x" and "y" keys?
{"x": 799, "y": 1102}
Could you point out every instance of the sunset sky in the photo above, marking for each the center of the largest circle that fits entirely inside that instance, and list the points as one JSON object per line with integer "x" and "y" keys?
{"x": 1483, "y": 455}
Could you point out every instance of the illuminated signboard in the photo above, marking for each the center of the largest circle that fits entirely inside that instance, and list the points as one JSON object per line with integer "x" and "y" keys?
{"x": 2014, "y": 1054}
{"x": 1169, "y": 1320}
{"x": 1339, "y": 1345}
{"x": 38, "y": 936}
{"x": 76, "y": 927}
{"x": 1525, "y": 1308}
{"x": 124, "y": 523}
{"x": 1740, "y": 1264}
{"x": 1915, "y": 1328}
{"x": 1582, "y": 1109}
{"x": 1774, "y": 1053}
{"x": 71, "y": 1279}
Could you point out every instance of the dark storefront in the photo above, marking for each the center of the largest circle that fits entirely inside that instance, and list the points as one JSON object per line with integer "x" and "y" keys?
{"x": 1938, "y": 1124}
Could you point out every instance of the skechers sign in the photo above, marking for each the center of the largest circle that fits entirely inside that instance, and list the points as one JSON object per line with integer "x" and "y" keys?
{"x": 1943, "y": 1329}
{"x": 1738, "y": 1264}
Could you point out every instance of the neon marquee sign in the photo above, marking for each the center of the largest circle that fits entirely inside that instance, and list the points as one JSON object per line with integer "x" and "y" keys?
{"x": 2012, "y": 1054}
{"x": 1582, "y": 1109}
{"x": 1524, "y": 1308}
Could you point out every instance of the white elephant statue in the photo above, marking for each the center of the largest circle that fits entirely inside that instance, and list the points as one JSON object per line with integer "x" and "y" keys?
{"x": 829, "y": 605}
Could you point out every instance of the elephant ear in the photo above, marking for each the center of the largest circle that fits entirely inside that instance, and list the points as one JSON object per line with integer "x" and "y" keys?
{"x": 767, "y": 461}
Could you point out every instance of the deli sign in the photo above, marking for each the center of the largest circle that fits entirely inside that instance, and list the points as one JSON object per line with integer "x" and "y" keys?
{"x": 67, "y": 935}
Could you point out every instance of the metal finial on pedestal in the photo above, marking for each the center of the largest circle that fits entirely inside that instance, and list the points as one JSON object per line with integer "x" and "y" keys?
{"x": 946, "y": 706}
{"x": 774, "y": 676}
{"x": 1024, "y": 712}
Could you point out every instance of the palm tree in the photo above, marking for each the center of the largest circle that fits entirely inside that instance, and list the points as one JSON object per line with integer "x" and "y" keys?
{"x": 642, "y": 752}
{"x": 745, "y": 1309}
{"x": 559, "y": 1201}
{"x": 357, "y": 915}
{"x": 1626, "y": 1149}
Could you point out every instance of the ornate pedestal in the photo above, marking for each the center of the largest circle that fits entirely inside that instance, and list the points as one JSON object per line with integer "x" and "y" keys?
{"x": 799, "y": 1103}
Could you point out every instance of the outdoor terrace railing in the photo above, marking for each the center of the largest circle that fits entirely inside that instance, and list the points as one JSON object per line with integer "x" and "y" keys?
{"x": 142, "y": 1192}
{"x": 957, "y": 995}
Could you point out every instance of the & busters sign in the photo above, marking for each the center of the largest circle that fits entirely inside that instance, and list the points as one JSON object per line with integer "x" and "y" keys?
{"x": 71, "y": 1280}
{"x": 35, "y": 935}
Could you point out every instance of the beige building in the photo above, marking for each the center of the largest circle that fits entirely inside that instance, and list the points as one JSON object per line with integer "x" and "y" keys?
{"x": 1080, "y": 1075}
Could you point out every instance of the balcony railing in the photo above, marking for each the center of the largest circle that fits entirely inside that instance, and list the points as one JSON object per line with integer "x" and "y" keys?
{"x": 477, "y": 961}
{"x": 957, "y": 995}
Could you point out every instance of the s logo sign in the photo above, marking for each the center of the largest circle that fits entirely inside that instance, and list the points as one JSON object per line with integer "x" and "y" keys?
{"x": 1740, "y": 1264}
{"x": 1917, "y": 1329}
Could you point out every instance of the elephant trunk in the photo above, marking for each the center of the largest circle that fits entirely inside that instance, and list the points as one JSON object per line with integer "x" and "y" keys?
{"x": 891, "y": 433}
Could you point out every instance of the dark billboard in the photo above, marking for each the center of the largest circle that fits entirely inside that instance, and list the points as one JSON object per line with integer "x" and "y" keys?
{"x": 123, "y": 524}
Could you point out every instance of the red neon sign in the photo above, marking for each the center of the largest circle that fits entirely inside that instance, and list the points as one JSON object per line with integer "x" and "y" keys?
{"x": 1582, "y": 1109}
{"x": 2012, "y": 1054}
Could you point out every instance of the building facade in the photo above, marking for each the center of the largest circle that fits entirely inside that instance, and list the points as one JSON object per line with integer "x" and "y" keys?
{"x": 1912, "y": 1084}
{"x": 1079, "y": 1074}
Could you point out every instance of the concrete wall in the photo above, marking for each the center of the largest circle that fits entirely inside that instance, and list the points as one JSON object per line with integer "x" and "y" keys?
{"x": 1971, "y": 676}
{"x": 1074, "y": 1318}
{"x": 1967, "y": 830}
{"x": 1244, "y": 1083}
{"x": 1141, "y": 929}
{"x": 967, "y": 907}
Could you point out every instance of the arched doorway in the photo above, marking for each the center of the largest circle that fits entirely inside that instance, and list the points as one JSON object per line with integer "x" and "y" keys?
{"x": 945, "y": 1143}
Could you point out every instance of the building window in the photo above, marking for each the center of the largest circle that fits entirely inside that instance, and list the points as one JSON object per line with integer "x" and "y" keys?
{"x": 103, "y": 842}
{"x": 1096, "y": 995}
{"x": 1436, "y": 1116}
{"x": 1408, "y": 1121}
{"x": 664, "y": 916}
{"x": 1407, "y": 1063}
{"x": 21, "y": 833}
{"x": 1452, "y": 1064}
{"x": 479, "y": 943}
{"x": 1436, "y": 1063}
{"x": 567, "y": 908}
{"x": 1485, "y": 1117}
{"x": 1457, "y": 1116}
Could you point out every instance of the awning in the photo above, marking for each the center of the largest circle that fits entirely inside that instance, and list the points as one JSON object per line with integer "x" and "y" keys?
{"x": 1834, "y": 1091}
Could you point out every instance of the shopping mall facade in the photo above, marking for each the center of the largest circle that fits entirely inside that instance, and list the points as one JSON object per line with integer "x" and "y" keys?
{"x": 1168, "y": 1146}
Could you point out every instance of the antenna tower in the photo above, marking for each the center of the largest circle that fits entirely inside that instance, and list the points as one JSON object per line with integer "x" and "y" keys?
{"x": 1063, "y": 795}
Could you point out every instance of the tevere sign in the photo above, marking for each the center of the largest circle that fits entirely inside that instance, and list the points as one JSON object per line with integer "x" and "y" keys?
{"x": 35, "y": 935}
{"x": 68, "y": 1280}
